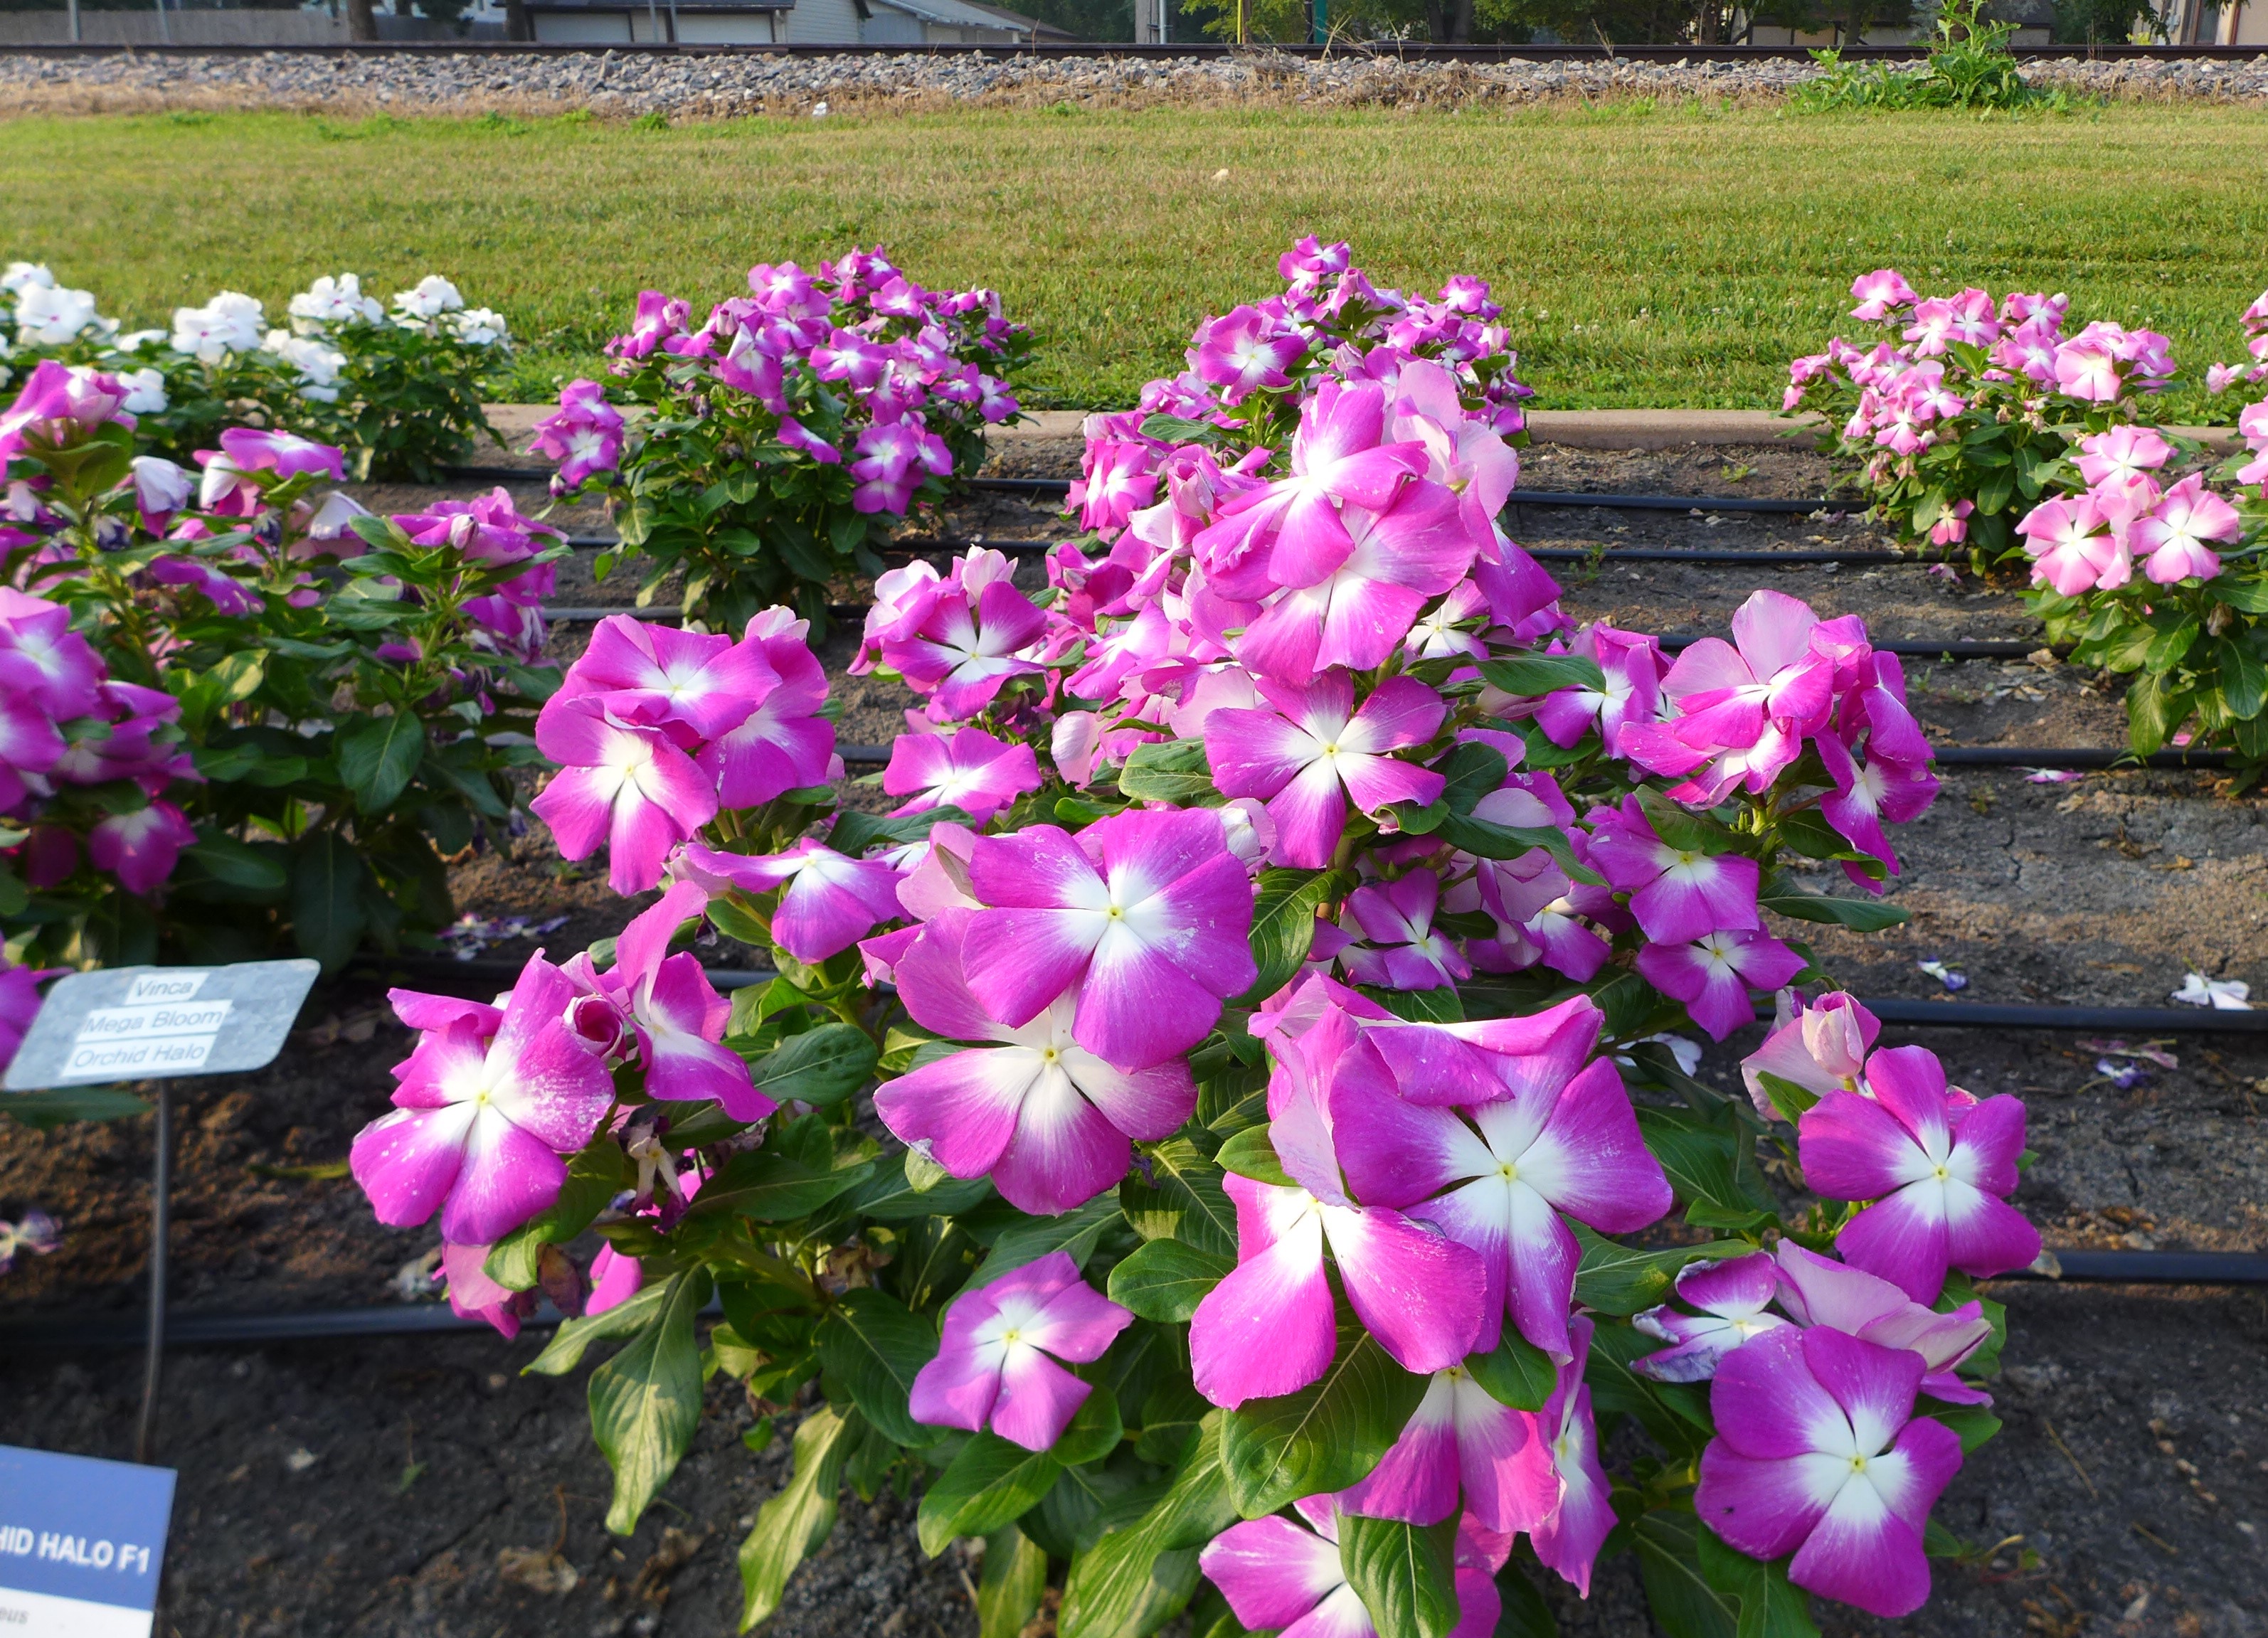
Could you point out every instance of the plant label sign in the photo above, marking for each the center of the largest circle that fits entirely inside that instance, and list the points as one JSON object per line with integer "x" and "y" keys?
{"x": 81, "y": 1544}
{"x": 139, "y": 1024}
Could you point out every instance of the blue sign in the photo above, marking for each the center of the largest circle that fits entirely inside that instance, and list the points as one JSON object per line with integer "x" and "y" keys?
{"x": 82, "y": 1542}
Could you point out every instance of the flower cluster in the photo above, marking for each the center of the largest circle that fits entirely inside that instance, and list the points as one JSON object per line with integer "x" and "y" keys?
{"x": 401, "y": 389}
{"x": 208, "y": 661}
{"x": 1991, "y": 427}
{"x": 837, "y": 398}
{"x": 1268, "y": 985}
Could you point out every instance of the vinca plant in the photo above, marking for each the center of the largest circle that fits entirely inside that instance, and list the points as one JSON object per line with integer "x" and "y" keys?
{"x": 1228, "y": 1137}
{"x": 399, "y": 390}
{"x": 245, "y": 712}
{"x": 1991, "y": 427}
{"x": 768, "y": 449}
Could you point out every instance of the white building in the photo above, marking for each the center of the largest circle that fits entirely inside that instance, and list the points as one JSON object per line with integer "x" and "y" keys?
{"x": 783, "y": 22}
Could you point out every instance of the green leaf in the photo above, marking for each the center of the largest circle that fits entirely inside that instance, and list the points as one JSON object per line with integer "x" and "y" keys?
{"x": 1863, "y": 915}
{"x": 1283, "y": 914}
{"x": 1076, "y": 1233}
{"x": 1702, "y": 1158}
{"x": 1181, "y": 1198}
{"x": 2249, "y": 594}
{"x": 855, "y": 832}
{"x": 1169, "y": 770}
{"x": 2150, "y": 718}
{"x": 1487, "y": 839}
{"x": 1403, "y": 1573}
{"x": 1680, "y": 827}
{"x": 991, "y": 1483}
{"x": 1472, "y": 771}
{"x": 645, "y": 1401}
{"x": 1013, "y": 1582}
{"x": 1684, "y": 1602}
{"x": 1974, "y": 1423}
{"x": 2170, "y": 644}
{"x": 326, "y": 908}
{"x": 1324, "y": 1437}
{"x": 1529, "y": 675}
{"x": 1178, "y": 428}
{"x": 568, "y": 1344}
{"x": 1524, "y": 1612}
{"x": 874, "y": 1345}
{"x": 1094, "y": 1432}
{"x": 795, "y": 1522}
{"x": 1135, "y": 1579}
{"x": 240, "y": 865}
{"x": 1617, "y": 1279}
{"x": 890, "y": 1194}
{"x": 2243, "y": 680}
{"x": 45, "y": 1111}
{"x": 1251, "y": 1153}
{"x": 1786, "y": 1096}
{"x": 1515, "y": 1372}
{"x": 379, "y": 757}
{"x": 818, "y": 1066}
{"x": 1165, "y": 1280}
{"x": 593, "y": 1178}
{"x": 770, "y": 1185}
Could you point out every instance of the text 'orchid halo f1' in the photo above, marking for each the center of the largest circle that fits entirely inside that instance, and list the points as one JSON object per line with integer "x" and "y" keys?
{"x": 1990, "y": 425}
{"x": 789, "y": 432}
{"x": 1267, "y": 973}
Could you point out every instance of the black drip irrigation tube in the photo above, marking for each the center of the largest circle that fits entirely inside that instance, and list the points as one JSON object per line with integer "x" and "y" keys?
{"x": 2048, "y": 758}
{"x": 326, "y": 1325}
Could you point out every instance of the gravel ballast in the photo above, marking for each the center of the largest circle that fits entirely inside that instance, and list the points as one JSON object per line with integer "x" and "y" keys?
{"x": 627, "y": 84}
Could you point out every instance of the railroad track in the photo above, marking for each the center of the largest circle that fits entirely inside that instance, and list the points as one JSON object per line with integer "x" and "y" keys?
{"x": 1175, "y": 52}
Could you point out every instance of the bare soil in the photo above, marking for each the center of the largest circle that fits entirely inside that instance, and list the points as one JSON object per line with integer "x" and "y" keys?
{"x": 370, "y": 1488}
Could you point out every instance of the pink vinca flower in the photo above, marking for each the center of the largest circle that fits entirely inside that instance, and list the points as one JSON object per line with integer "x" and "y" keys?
{"x": 1817, "y": 1290}
{"x": 1713, "y": 975}
{"x": 583, "y": 435}
{"x": 1278, "y": 1575}
{"x": 624, "y": 785}
{"x": 1676, "y": 895}
{"x": 1269, "y": 1328}
{"x": 1867, "y": 793}
{"x": 1460, "y": 1436}
{"x": 678, "y": 1016}
{"x": 1940, "y": 1187}
{"x": 44, "y": 665}
{"x": 1311, "y": 751}
{"x": 1338, "y": 459}
{"x": 1818, "y": 1453}
{"x": 970, "y": 770}
{"x": 1733, "y": 1298}
{"x": 1497, "y": 1176}
{"x": 483, "y": 1120}
{"x": 1758, "y": 694}
{"x": 653, "y": 675}
{"x": 140, "y": 847}
{"x": 1880, "y": 293}
{"x": 2122, "y": 454}
{"x": 1821, "y": 1047}
{"x": 784, "y": 743}
{"x": 963, "y": 649}
{"x": 285, "y": 453}
{"x": 1358, "y": 614}
{"x": 1244, "y": 350}
{"x": 1631, "y": 664}
{"x": 1145, "y": 916}
{"x": 996, "y": 1365}
{"x": 1049, "y": 1119}
{"x": 19, "y": 1004}
{"x": 1569, "y": 1540}
{"x": 828, "y": 902}
{"x": 1400, "y": 950}
{"x": 2175, "y": 534}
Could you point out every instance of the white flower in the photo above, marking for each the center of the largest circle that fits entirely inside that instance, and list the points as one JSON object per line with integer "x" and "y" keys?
{"x": 23, "y": 275}
{"x": 231, "y": 322}
{"x": 478, "y": 327}
{"x": 318, "y": 365}
{"x": 329, "y": 301}
{"x": 47, "y": 316}
{"x": 145, "y": 392}
{"x": 135, "y": 340}
{"x": 334, "y": 519}
{"x": 160, "y": 486}
{"x": 2198, "y": 991}
{"x": 433, "y": 296}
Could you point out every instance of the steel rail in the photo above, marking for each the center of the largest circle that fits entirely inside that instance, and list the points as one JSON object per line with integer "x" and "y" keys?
{"x": 1379, "y": 51}
{"x": 326, "y": 1325}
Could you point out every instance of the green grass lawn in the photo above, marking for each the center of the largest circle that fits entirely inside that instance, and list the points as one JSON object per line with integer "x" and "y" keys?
{"x": 1647, "y": 257}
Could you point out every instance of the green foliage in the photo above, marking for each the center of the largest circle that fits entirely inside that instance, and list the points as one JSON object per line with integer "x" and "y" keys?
{"x": 1970, "y": 67}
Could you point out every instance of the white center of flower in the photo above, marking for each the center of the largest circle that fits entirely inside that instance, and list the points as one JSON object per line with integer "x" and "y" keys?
{"x": 1508, "y": 1170}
